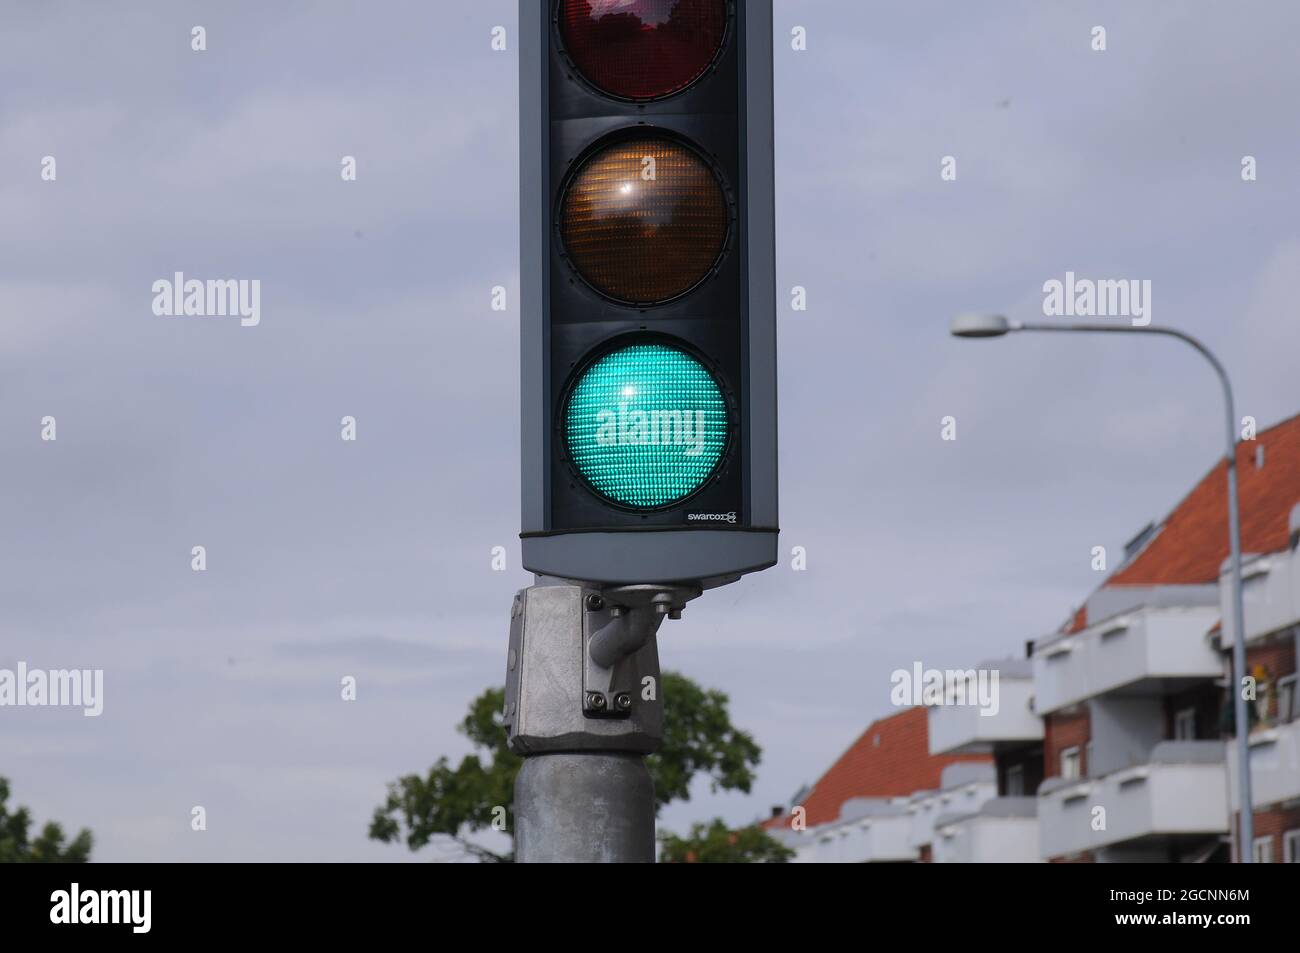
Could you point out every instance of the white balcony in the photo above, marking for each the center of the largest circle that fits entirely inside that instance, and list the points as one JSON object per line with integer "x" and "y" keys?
{"x": 1003, "y": 831}
{"x": 870, "y": 830}
{"x": 1270, "y": 594}
{"x": 972, "y": 729}
{"x": 1147, "y": 650}
{"x": 1181, "y": 790}
{"x": 967, "y": 786}
{"x": 1274, "y": 766}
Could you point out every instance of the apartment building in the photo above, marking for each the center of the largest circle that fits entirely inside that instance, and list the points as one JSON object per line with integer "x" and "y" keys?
{"x": 1108, "y": 743}
{"x": 1271, "y": 595}
{"x": 865, "y": 808}
{"x": 965, "y": 788}
{"x": 1002, "y": 827}
{"x": 1133, "y": 691}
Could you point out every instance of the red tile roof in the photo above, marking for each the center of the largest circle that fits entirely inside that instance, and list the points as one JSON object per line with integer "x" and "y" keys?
{"x": 891, "y": 759}
{"x": 1192, "y": 543}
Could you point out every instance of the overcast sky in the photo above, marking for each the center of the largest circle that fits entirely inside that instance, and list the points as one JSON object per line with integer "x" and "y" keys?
{"x": 373, "y": 558}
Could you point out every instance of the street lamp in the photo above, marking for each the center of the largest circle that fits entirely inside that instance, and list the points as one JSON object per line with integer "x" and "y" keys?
{"x": 996, "y": 325}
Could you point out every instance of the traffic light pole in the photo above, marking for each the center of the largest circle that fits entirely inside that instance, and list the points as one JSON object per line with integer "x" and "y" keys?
{"x": 585, "y": 808}
{"x": 583, "y": 707}
{"x": 676, "y": 339}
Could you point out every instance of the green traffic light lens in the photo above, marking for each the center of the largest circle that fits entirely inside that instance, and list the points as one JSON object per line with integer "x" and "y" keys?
{"x": 646, "y": 425}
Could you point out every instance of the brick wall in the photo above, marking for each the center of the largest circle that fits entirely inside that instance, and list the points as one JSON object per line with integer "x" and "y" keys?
{"x": 1275, "y": 823}
{"x": 1061, "y": 731}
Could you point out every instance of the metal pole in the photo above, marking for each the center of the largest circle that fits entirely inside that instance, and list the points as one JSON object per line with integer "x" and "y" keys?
{"x": 583, "y": 708}
{"x": 584, "y": 808}
{"x": 1246, "y": 850}
{"x": 1246, "y": 829}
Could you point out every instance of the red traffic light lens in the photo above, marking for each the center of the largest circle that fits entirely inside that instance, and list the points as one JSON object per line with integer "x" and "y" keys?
{"x": 644, "y": 220}
{"x": 642, "y": 49}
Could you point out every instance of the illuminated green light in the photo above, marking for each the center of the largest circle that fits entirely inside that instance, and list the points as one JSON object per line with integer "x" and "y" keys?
{"x": 646, "y": 425}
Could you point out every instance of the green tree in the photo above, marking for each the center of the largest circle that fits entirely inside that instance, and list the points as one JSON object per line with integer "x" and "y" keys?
{"x": 17, "y": 847}
{"x": 451, "y": 802}
{"x": 454, "y": 802}
{"x": 716, "y": 843}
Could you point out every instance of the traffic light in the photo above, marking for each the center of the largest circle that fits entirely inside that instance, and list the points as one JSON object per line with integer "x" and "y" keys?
{"x": 648, "y": 309}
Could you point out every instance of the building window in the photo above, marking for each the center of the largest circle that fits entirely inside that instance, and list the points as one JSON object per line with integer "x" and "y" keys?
{"x": 1016, "y": 780}
{"x": 1287, "y": 709}
{"x": 1185, "y": 725}
{"x": 1070, "y": 764}
{"x": 1291, "y": 847}
{"x": 1264, "y": 850}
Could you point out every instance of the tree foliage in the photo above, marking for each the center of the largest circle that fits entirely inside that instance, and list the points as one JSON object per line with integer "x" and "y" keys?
{"x": 454, "y": 802}
{"x": 716, "y": 843}
{"x": 699, "y": 739}
{"x": 17, "y": 846}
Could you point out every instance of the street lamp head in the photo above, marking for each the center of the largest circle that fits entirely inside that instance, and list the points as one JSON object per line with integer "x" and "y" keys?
{"x": 980, "y": 326}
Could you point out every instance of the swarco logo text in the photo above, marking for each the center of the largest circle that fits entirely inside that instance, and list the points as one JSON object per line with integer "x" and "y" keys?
{"x": 712, "y": 517}
{"x": 655, "y": 428}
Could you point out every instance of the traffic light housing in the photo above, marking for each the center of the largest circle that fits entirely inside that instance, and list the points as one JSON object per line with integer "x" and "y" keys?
{"x": 648, "y": 310}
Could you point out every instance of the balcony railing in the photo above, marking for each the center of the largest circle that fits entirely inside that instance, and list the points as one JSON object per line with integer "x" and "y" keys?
{"x": 1270, "y": 594}
{"x": 971, "y": 729}
{"x": 1003, "y": 831}
{"x": 1274, "y": 765}
{"x": 1182, "y": 789}
{"x": 1147, "y": 648}
{"x": 869, "y": 830}
{"x": 926, "y": 807}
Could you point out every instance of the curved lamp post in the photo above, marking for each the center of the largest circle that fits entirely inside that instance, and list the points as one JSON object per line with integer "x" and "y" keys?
{"x": 996, "y": 325}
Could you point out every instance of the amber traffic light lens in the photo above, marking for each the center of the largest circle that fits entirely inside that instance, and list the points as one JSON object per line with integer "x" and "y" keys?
{"x": 644, "y": 220}
{"x": 642, "y": 49}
